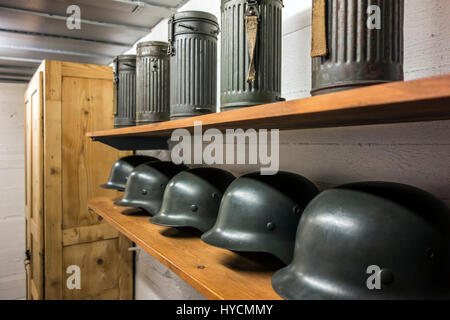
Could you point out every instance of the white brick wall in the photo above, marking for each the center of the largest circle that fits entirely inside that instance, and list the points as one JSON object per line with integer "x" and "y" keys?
{"x": 12, "y": 192}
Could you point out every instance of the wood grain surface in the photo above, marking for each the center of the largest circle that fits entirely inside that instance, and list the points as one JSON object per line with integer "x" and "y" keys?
{"x": 418, "y": 100}
{"x": 216, "y": 273}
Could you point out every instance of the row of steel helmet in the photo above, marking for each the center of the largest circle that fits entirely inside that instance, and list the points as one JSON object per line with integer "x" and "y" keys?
{"x": 355, "y": 43}
{"x": 371, "y": 240}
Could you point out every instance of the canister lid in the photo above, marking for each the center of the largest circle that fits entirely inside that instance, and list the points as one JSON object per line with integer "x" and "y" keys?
{"x": 245, "y": 1}
{"x": 152, "y": 44}
{"x": 200, "y": 15}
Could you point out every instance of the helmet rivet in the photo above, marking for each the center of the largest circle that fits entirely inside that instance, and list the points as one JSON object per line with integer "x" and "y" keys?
{"x": 194, "y": 208}
{"x": 430, "y": 253}
{"x": 386, "y": 276}
{"x": 215, "y": 195}
{"x": 296, "y": 210}
{"x": 270, "y": 226}
{"x": 144, "y": 192}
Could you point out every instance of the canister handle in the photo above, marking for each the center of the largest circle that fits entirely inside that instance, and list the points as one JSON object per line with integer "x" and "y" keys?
{"x": 187, "y": 26}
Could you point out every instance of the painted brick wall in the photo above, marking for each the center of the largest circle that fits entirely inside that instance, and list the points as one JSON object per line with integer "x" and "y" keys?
{"x": 12, "y": 192}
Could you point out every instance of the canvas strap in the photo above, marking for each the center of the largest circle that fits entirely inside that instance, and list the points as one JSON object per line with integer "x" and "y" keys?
{"x": 319, "y": 36}
{"x": 251, "y": 23}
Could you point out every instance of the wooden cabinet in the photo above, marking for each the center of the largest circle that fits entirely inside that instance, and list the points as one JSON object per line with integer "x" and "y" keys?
{"x": 64, "y": 169}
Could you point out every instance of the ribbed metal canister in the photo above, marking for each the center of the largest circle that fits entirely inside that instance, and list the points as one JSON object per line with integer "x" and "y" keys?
{"x": 193, "y": 86}
{"x": 153, "y": 82}
{"x": 236, "y": 89}
{"x": 124, "y": 91}
{"x": 364, "y": 40}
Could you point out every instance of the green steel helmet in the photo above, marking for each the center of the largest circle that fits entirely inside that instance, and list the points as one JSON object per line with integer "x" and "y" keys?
{"x": 261, "y": 213}
{"x": 122, "y": 169}
{"x": 146, "y": 184}
{"x": 372, "y": 240}
{"x": 192, "y": 199}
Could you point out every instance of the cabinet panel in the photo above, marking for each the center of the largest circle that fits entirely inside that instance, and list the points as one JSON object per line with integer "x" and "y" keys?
{"x": 100, "y": 269}
{"x": 34, "y": 189}
{"x": 87, "y": 105}
{"x": 63, "y": 170}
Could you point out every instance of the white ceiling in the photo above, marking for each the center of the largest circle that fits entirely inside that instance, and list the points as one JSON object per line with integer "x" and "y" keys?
{"x": 31, "y": 31}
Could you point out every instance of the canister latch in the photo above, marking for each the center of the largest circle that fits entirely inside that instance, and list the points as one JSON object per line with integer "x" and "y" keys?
{"x": 170, "y": 49}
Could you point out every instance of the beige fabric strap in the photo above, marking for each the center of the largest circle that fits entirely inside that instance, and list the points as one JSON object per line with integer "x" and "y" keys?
{"x": 319, "y": 35}
{"x": 251, "y": 23}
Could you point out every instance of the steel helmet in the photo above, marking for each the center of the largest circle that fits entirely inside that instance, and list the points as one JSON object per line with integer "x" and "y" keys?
{"x": 370, "y": 240}
{"x": 146, "y": 184}
{"x": 261, "y": 213}
{"x": 192, "y": 198}
{"x": 121, "y": 171}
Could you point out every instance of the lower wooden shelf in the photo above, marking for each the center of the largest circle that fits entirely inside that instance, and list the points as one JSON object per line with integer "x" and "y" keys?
{"x": 216, "y": 273}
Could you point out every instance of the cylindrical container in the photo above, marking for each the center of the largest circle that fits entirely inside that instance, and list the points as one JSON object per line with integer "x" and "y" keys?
{"x": 251, "y": 53}
{"x": 363, "y": 44}
{"x": 193, "y": 39}
{"x": 124, "y": 91}
{"x": 153, "y": 83}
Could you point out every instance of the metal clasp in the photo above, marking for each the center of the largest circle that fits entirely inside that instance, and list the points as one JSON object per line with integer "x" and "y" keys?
{"x": 27, "y": 260}
{"x": 116, "y": 70}
{"x": 215, "y": 32}
{"x": 253, "y": 8}
{"x": 171, "y": 50}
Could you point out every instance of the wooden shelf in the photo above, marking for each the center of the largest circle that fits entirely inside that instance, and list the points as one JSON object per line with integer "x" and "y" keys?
{"x": 216, "y": 273}
{"x": 419, "y": 100}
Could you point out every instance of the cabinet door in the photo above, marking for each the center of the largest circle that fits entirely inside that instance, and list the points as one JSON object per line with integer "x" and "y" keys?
{"x": 89, "y": 243}
{"x": 34, "y": 189}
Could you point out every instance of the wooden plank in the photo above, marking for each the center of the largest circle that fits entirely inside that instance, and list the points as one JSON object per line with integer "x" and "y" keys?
{"x": 92, "y": 71}
{"x": 36, "y": 213}
{"x": 86, "y": 234}
{"x": 28, "y": 187}
{"x": 419, "y": 100}
{"x": 216, "y": 273}
{"x": 35, "y": 228}
{"x": 31, "y": 87}
{"x": 91, "y": 244}
{"x": 34, "y": 292}
{"x": 53, "y": 184}
{"x": 125, "y": 260}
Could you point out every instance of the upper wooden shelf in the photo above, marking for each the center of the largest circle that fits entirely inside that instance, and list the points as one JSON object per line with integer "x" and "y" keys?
{"x": 216, "y": 273}
{"x": 419, "y": 100}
